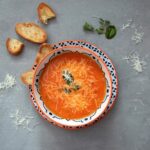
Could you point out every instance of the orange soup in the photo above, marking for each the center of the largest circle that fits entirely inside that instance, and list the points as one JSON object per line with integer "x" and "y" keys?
{"x": 72, "y": 85}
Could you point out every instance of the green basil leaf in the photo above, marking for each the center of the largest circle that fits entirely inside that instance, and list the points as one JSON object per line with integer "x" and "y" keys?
{"x": 111, "y": 31}
{"x": 67, "y": 90}
{"x": 100, "y": 30}
{"x": 76, "y": 87}
{"x": 88, "y": 27}
{"x": 101, "y": 21}
{"x": 107, "y": 23}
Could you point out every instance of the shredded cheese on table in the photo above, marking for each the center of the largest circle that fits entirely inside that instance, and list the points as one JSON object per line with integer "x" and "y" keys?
{"x": 21, "y": 120}
{"x": 136, "y": 62}
{"x": 8, "y": 82}
{"x": 127, "y": 25}
{"x": 137, "y": 36}
{"x": 137, "y": 33}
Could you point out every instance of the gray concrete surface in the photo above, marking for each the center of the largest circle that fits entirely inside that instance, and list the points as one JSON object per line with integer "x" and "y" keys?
{"x": 127, "y": 126}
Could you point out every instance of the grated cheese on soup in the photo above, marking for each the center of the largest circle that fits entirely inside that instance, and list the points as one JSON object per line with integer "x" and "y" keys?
{"x": 72, "y": 85}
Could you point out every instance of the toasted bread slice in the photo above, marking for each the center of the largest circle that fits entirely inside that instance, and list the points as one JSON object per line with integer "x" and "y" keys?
{"x": 14, "y": 46}
{"x": 32, "y": 32}
{"x": 43, "y": 51}
{"x": 27, "y": 77}
{"x": 45, "y": 12}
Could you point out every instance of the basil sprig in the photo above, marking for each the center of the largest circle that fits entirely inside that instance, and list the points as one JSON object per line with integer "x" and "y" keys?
{"x": 67, "y": 76}
{"x": 69, "y": 79}
{"x": 88, "y": 27}
{"x": 110, "y": 32}
{"x": 105, "y": 27}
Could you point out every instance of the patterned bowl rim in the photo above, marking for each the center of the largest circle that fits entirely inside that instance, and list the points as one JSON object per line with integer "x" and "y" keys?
{"x": 114, "y": 99}
{"x": 104, "y": 103}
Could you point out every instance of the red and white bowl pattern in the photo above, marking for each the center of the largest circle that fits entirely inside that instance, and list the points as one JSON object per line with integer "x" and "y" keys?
{"x": 110, "y": 74}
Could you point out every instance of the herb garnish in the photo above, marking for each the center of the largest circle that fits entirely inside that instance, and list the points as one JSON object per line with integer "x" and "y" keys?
{"x": 67, "y": 90}
{"x": 88, "y": 27}
{"x": 69, "y": 79}
{"x": 110, "y": 32}
{"x": 104, "y": 24}
{"x": 76, "y": 87}
{"x": 67, "y": 76}
{"x": 105, "y": 28}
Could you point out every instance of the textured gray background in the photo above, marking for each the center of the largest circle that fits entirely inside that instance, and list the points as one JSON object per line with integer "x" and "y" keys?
{"x": 127, "y": 126}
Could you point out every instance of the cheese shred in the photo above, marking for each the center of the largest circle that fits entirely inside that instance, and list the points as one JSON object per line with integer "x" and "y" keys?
{"x": 136, "y": 62}
{"x": 21, "y": 120}
{"x": 78, "y": 70}
{"x": 8, "y": 82}
{"x": 137, "y": 33}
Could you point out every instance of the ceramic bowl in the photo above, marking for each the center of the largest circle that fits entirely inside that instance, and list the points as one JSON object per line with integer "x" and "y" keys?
{"x": 72, "y": 123}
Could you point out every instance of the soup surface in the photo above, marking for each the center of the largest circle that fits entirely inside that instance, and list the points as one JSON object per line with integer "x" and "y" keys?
{"x": 72, "y": 85}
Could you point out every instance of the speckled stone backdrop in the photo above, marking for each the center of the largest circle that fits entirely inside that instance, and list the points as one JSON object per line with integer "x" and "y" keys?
{"x": 127, "y": 126}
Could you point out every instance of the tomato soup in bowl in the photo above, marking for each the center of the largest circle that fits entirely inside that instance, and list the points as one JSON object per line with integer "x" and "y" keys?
{"x": 72, "y": 87}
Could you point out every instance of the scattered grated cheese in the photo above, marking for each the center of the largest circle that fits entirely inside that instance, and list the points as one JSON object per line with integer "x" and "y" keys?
{"x": 135, "y": 61}
{"x": 8, "y": 82}
{"x": 137, "y": 36}
{"x": 21, "y": 120}
{"x": 139, "y": 101}
{"x": 127, "y": 25}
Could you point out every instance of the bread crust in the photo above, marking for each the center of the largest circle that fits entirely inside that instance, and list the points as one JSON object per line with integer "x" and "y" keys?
{"x": 27, "y": 77}
{"x": 45, "y": 12}
{"x": 31, "y": 32}
{"x": 43, "y": 51}
{"x": 17, "y": 46}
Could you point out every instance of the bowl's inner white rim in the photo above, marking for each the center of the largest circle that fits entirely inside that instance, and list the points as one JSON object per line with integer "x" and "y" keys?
{"x": 62, "y": 120}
